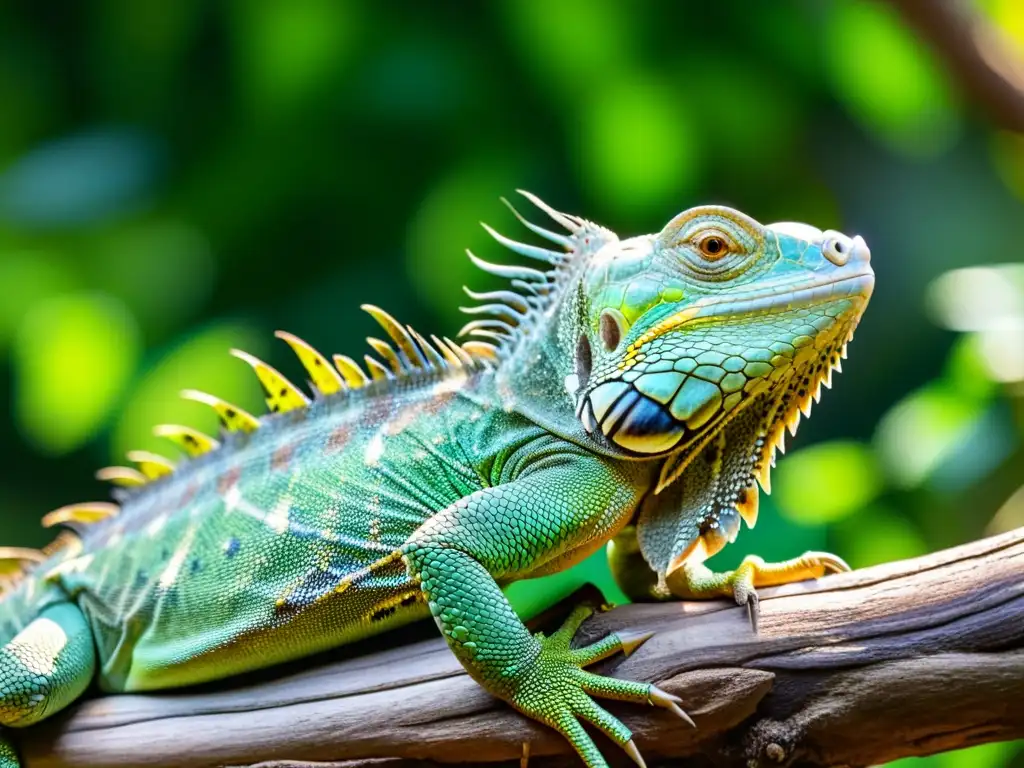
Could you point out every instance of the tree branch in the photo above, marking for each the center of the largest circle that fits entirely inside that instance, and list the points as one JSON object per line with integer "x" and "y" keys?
{"x": 976, "y": 52}
{"x": 907, "y": 658}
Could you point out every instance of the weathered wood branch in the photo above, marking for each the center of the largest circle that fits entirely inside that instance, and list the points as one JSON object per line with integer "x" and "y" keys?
{"x": 979, "y": 55}
{"x": 908, "y": 658}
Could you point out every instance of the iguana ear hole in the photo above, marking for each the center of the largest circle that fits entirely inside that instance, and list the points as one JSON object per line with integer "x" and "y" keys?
{"x": 612, "y": 328}
{"x": 584, "y": 360}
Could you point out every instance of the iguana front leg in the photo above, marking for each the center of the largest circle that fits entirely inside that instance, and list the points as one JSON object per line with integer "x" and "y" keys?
{"x": 560, "y": 504}
{"x": 694, "y": 580}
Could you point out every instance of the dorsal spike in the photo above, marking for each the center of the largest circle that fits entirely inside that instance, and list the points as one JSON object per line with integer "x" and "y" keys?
{"x": 511, "y": 298}
{"x": 502, "y": 311}
{"x": 563, "y": 219}
{"x": 529, "y": 251}
{"x": 462, "y": 354}
{"x": 488, "y": 325}
{"x": 481, "y": 350}
{"x": 126, "y": 477}
{"x": 282, "y": 395}
{"x": 554, "y": 237}
{"x": 398, "y": 334}
{"x": 13, "y": 559}
{"x": 81, "y": 514}
{"x": 152, "y": 465}
{"x": 66, "y": 541}
{"x": 534, "y": 289}
{"x": 451, "y": 359}
{"x": 323, "y": 375}
{"x": 434, "y": 359}
{"x": 385, "y": 350}
{"x": 193, "y": 442}
{"x": 354, "y": 376}
{"x": 377, "y": 370}
{"x": 500, "y": 338}
{"x": 503, "y": 270}
{"x": 232, "y": 418}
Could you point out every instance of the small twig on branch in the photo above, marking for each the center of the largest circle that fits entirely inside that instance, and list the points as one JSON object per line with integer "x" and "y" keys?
{"x": 908, "y": 658}
{"x": 987, "y": 64}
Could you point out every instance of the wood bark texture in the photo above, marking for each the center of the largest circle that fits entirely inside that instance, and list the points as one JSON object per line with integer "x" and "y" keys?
{"x": 907, "y": 658}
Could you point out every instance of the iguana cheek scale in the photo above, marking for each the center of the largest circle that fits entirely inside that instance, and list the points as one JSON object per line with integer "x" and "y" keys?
{"x": 628, "y": 393}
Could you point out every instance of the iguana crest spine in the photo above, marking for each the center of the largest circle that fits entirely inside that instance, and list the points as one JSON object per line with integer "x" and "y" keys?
{"x": 500, "y": 321}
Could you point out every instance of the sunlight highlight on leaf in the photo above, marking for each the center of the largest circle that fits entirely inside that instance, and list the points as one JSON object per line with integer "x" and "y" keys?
{"x": 826, "y": 482}
{"x": 637, "y": 149}
{"x": 200, "y": 362}
{"x": 72, "y": 357}
{"x": 865, "y": 46}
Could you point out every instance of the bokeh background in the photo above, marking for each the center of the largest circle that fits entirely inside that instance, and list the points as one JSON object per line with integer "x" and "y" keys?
{"x": 180, "y": 177}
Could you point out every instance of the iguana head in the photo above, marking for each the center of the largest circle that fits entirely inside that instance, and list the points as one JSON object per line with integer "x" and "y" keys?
{"x": 680, "y": 329}
{"x": 704, "y": 340}
{"x": 702, "y": 344}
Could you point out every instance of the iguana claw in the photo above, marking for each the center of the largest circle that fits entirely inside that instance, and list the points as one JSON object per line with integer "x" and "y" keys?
{"x": 697, "y": 581}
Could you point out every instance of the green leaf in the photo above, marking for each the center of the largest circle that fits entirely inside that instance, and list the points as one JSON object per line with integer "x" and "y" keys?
{"x": 72, "y": 356}
{"x": 200, "y": 362}
{"x": 826, "y": 482}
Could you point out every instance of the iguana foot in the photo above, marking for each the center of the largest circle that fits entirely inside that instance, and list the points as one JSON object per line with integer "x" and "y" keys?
{"x": 556, "y": 690}
{"x": 697, "y": 581}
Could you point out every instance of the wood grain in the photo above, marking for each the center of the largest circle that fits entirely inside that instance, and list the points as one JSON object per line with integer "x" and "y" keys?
{"x": 907, "y": 658}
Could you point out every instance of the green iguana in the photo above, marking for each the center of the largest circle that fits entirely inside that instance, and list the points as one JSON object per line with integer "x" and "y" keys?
{"x": 628, "y": 392}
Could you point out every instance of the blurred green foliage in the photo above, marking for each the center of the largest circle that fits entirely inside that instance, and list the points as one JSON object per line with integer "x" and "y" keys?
{"x": 180, "y": 177}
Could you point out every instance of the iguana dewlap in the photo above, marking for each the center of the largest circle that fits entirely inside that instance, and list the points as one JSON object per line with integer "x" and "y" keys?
{"x": 628, "y": 393}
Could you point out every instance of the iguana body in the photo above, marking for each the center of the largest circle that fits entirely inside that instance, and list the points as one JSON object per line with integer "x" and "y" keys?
{"x": 636, "y": 392}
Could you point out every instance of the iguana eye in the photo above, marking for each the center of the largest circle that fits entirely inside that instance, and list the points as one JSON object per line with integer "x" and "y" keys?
{"x": 713, "y": 245}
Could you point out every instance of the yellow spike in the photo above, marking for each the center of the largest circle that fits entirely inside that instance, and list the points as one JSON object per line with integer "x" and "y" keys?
{"x": 322, "y": 374}
{"x": 83, "y": 514}
{"x": 433, "y": 356}
{"x": 152, "y": 465}
{"x": 461, "y": 353}
{"x": 481, "y": 349}
{"x": 377, "y": 370}
{"x": 397, "y": 333}
{"x": 282, "y": 395}
{"x": 764, "y": 477}
{"x": 191, "y": 441}
{"x": 452, "y": 360}
{"x": 123, "y": 476}
{"x": 67, "y": 542}
{"x": 233, "y": 418}
{"x": 384, "y": 349}
{"x": 349, "y": 368}
{"x": 747, "y": 505}
{"x": 13, "y": 559}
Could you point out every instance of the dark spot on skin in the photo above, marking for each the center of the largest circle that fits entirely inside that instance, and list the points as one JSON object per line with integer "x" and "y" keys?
{"x": 228, "y": 480}
{"x": 195, "y": 566}
{"x": 284, "y": 391}
{"x": 281, "y": 458}
{"x": 232, "y": 547}
{"x": 584, "y": 360}
{"x": 230, "y": 413}
{"x": 410, "y": 600}
{"x": 383, "y": 613}
{"x": 141, "y": 579}
{"x": 190, "y": 440}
